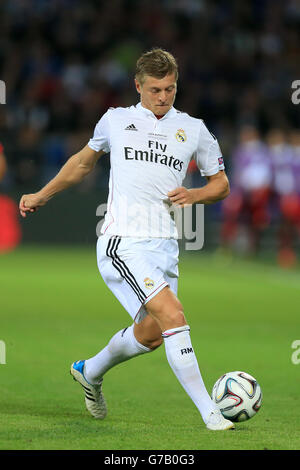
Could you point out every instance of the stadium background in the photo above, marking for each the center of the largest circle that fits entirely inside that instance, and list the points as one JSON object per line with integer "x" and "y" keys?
{"x": 65, "y": 62}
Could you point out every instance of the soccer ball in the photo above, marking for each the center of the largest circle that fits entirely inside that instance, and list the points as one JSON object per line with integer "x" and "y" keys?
{"x": 237, "y": 395}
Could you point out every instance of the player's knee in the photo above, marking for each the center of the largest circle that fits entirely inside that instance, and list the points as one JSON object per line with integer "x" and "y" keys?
{"x": 175, "y": 312}
{"x": 167, "y": 310}
{"x": 174, "y": 318}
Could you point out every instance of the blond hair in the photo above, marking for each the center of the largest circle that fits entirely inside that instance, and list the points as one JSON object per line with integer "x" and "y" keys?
{"x": 156, "y": 63}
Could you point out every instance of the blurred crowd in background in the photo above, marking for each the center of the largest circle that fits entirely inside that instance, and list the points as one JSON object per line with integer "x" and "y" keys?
{"x": 64, "y": 62}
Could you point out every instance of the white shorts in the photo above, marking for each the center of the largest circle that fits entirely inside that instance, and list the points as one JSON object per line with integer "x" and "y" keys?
{"x": 136, "y": 269}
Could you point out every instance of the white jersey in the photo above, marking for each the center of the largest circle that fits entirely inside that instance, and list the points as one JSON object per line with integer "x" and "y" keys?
{"x": 149, "y": 157}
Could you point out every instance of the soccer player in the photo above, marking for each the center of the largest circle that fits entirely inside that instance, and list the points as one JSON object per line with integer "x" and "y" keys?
{"x": 150, "y": 145}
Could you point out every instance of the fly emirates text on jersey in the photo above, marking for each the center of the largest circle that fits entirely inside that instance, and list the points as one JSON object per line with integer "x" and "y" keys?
{"x": 153, "y": 156}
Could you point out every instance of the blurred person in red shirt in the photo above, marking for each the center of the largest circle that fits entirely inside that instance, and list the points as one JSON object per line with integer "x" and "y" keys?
{"x": 246, "y": 211}
{"x": 285, "y": 159}
{"x": 294, "y": 141}
{"x": 10, "y": 231}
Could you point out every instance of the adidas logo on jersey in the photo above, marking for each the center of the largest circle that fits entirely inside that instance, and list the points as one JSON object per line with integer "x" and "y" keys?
{"x": 131, "y": 127}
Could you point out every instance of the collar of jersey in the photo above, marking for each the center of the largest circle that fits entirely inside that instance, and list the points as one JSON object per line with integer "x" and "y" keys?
{"x": 147, "y": 112}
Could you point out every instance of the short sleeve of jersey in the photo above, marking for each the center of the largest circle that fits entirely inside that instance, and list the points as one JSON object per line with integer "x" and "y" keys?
{"x": 208, "y": 156}
{"x": 1, "y": 148}
{"x": 101, "y": 139}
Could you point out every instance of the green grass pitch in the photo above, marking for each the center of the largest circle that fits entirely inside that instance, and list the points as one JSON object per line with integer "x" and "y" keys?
{"x": 55, "y": 308}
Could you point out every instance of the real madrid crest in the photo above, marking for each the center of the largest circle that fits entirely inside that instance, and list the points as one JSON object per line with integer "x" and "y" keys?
{"x": 148, "y": 283}
{"x": 180, "y": 135}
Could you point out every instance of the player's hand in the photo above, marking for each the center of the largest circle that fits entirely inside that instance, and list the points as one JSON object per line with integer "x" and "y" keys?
{"x": 30, "y": 203}
{"x": 181, "y": 196}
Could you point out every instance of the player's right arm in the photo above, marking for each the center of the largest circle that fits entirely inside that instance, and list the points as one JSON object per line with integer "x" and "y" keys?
{"x": 73, "y": 172}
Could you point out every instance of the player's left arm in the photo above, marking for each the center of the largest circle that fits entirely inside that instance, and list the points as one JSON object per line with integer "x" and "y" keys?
{"x": 216, "y": 189}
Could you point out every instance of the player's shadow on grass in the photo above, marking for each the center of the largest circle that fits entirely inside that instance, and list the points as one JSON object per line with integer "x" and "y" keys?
{"x": 239, "y": 428}
{"x": 29, "y": 409}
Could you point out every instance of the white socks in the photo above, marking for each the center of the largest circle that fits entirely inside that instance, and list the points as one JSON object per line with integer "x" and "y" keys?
{"x": 120, "y": 348}
{"x": 182, "y": 359}
{"x": 180, "y": 354}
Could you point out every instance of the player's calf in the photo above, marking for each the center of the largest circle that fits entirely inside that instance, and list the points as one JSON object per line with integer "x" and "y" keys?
{"x": 148, "y": 333}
